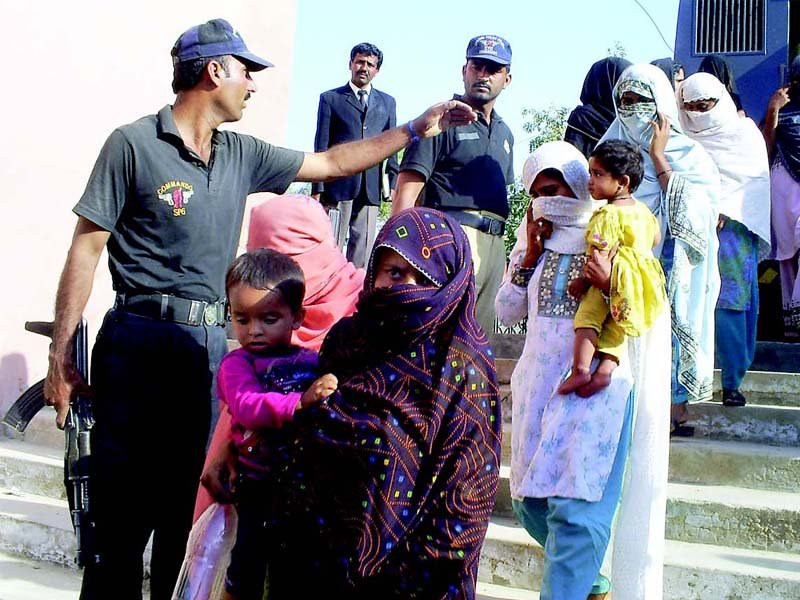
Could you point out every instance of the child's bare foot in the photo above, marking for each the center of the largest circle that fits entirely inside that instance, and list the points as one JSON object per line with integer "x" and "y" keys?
{"x": 600, "y": 378}
{"x": 596, "y": 383}
{"x": 574, "y": 381}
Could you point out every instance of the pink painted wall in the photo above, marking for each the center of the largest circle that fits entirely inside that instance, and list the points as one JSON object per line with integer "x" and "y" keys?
{"x": 78, "y": 70}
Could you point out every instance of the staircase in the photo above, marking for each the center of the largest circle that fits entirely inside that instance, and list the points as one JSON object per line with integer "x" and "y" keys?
{"x": 733, "y": 515}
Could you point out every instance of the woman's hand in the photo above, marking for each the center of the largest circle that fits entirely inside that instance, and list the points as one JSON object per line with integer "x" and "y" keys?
{"x": 538, "y": 230}
{"x": 597, "y": 269}
{"x": 779, "y": 99}
{"x": 319, "y": 390}
{"x": 578, "y": 287}
{"x": 219, "y": 475}
{"x": 660, "y": 135}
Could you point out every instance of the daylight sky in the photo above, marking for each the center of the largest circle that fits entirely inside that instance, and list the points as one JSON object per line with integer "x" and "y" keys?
{"x": 553, "y": 41}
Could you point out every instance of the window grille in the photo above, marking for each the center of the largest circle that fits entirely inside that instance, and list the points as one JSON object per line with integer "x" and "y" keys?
{"x": 729, "y": 26}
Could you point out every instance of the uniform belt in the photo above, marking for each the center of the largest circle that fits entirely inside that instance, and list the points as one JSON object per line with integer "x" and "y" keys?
{"x": 165, "y": 307}
{"x": 479, "y": 222}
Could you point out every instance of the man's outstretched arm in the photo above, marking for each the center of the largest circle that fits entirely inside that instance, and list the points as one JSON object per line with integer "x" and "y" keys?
{"x": 351, "y": 158}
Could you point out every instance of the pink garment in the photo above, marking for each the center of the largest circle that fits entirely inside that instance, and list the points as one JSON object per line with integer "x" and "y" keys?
{"x": 297, "y": 225}
{"x": 785, "y": 213}
{"x": 250, "y": 406}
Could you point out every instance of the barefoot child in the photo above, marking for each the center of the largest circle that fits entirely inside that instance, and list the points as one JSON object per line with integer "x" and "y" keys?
{"x": 624, "y": 230}
{"x": 263, "y": 383}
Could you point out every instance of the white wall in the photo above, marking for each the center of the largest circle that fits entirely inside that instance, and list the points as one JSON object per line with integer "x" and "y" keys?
{"x": 75, "y": 71}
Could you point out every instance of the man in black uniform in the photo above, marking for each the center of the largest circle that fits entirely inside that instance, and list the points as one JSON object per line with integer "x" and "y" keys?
{"x": 166, "y": 197}
{"x": 355, "y": 111}
{"x": 466, "y": 171}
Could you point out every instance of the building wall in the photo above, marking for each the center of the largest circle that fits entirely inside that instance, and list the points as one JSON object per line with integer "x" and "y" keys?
{"x": 76, "y": 71}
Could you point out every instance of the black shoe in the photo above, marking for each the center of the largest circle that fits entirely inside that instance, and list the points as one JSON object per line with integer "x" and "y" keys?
{"x": 733, "y": 398}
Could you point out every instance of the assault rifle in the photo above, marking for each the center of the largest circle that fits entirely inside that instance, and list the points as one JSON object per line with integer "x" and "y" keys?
{"x": 77, "y": 427}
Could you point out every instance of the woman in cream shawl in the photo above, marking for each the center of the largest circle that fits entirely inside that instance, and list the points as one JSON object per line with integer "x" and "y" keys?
{"x": 709, "y": 116}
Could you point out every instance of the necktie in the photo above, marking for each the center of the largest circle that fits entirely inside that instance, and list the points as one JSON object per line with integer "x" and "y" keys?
{"x": 362, "y": 97}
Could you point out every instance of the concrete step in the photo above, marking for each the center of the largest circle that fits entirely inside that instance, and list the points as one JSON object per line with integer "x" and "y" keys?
{"x": 36, "y": 527}
{"x": 490, "y": 591}
{"x": 733, "y": 463}
{"x": 27, "y": 579}
{"x": 511, "y": 557}
{"x": 41, "y": 430}
{"x": 702, "y": 460}
{"x": 32, "y": 469}
{"x": 734, "y": 517}
{"x": 723, "y": 515}
{"x": 764, "y": 424}
{"x": 40, "y": 528}
{"x": 759, "y": 387}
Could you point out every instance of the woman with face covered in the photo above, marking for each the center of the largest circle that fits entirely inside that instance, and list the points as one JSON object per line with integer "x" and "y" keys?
{"x": 568, "y": 454}
{"x": 588, "y": 122}
{"x": 385, "y": 490}
{"x": 681, "y": 187}
{"x": 709, "y": 116}
{"x": 782, "y": 133}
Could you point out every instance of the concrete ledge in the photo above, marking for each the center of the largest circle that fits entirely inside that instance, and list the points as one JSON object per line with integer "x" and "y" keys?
{"x": 31, "y": 469}
{"x": 734, "y": 517}
{"x": 691, "y": 571}
{"x": 741, "y": 464}
{"x": 778, "y": 425}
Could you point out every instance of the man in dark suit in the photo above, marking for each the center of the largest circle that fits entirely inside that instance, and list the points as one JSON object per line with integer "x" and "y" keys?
{"x": 352, "y": 112}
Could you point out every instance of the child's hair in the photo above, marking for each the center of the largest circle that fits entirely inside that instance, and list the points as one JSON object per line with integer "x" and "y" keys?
{"x": 266, "y": 269}
{"x": 621, "y": 158}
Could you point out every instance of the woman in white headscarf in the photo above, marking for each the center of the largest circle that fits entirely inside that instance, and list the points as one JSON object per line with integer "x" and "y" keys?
{"x": 681, "y": 188}
{"x": 569, "y": 455}
{"x": 708, "y": 115}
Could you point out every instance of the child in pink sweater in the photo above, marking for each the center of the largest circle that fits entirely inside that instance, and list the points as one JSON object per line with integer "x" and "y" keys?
{"x": 264, "y": 383}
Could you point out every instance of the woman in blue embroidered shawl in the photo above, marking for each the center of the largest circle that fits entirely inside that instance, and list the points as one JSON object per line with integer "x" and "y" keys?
{"x": 681, "y": 187}
{"x": 386, "y": 490}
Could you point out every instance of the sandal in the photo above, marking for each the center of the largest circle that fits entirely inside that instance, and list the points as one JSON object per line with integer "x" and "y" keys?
{"x": 680, "y": 429}
{"x": 733, "y": 398}
{"x": 601, "y": 587}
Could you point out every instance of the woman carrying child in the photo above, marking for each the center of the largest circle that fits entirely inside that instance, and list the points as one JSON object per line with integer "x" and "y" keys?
{"x": 385, "y": 489}
{"x": 625, "y": 231}
{"x": 569, "y": 455}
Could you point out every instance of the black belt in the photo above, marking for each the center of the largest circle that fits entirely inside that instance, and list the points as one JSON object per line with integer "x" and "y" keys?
{"x": 163, "y": 307}
{"x": 481, "y": 223}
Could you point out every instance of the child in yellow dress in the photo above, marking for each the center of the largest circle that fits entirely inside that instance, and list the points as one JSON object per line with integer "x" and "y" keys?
{"x": 625, "y": 231}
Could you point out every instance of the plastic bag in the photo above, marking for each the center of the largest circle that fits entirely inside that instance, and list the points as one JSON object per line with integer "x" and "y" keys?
{"x": 208, "y": 553}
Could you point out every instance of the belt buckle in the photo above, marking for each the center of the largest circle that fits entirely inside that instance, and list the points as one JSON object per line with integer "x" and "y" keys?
{"x": 210, "y": 314}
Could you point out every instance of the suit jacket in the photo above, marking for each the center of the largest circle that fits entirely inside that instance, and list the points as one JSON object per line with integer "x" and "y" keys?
{"x": 339, "y": 120}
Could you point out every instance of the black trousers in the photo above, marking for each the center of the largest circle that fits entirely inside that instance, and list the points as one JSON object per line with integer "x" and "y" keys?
{"x": 152, "y": 383}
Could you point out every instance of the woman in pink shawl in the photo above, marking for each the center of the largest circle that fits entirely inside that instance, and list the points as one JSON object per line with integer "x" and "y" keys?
{"x": 297, "y": 226}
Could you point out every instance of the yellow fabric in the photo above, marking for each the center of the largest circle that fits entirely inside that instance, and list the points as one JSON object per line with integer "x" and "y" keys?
{"x": 593, "y": 313}
{"x": 637, "y": 290}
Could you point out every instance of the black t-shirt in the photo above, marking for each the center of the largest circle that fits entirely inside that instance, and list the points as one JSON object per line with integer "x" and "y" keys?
{"x": 175, "y": 221}
{"x": 466, "y": 167}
